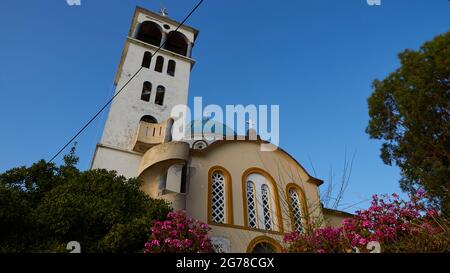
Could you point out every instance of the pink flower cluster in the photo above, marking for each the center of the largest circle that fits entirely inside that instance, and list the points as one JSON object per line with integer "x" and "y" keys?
{"x": 178, "y": 234}
{"x": 385, "y": 221}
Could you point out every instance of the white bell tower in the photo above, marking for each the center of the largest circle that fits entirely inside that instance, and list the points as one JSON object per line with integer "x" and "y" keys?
{"x": 138, "y": 117}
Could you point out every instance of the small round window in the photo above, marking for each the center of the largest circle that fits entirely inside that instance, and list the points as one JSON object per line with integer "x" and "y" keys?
{"x": 199, "y": 145}
{"x": 166, "y": 26}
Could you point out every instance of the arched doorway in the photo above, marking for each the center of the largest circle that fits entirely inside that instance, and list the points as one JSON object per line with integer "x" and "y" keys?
{"x": 264, "y": 244}
{"x": 263, "y": 248}
{"x": 149, "y": 119}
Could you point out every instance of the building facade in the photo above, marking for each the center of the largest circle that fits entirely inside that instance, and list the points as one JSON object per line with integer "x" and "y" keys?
{"x": 249, "y": 197}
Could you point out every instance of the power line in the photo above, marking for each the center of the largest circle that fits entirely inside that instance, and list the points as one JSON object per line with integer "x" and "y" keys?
{"x": 121, "y": 89}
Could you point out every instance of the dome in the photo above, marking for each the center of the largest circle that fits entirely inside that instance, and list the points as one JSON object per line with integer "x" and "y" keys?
{"x": 217, "y": 128}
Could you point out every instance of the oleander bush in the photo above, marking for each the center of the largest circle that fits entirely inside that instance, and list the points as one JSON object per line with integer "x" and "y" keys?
{"x": 397, "y": 225}
{"x": 179, "y": 234}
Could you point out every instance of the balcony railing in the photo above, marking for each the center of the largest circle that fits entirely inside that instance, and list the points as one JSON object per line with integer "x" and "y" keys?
{"x": 149, "y": 135}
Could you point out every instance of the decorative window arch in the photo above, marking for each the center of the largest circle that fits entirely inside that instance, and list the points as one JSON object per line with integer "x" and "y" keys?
{"x": 160, "y": 92}
{"x": 146, "y": 91}
{"x": 298, "y": 207}
{"x": 171, "y": 68}
{"x": 220, "y": 206}
{"x": 159, "y": 64}
{"x": 266, "y": 206}
{"x": 147, "y": 59}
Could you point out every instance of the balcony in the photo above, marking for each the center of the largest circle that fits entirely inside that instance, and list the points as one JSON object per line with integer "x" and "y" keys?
{"x": 149, "y": 135}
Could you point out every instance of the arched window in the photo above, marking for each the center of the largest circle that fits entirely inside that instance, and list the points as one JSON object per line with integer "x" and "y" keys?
{"x": 296, "y": 210}
{"x": 159, "y": 98}
{"x": 150, "y": 33}
{"x": 171, "y": 68}
{"x": 262, "y": 209}
{"x": 159, "y": 64}
{"x": 146, "y": 91}
{"x": 176, "y": 42}
{"x": 147, "y": 59}
{"x": 251, "y": 205}
{"x": 219, "y": 196}
{"x": 149, "y": 119}
{"x": 267, "y": 211}
{"x": 297, "y": 207}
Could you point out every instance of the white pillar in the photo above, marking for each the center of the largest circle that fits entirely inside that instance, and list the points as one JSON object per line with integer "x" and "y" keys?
{"x": 163, "y": 39}
{"x": 189, "y": 50}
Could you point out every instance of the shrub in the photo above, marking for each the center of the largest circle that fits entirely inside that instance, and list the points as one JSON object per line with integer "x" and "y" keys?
{"x": 45, "y": 206}
{"x": 178, "y": 234}
{"x": 398, "y": 225}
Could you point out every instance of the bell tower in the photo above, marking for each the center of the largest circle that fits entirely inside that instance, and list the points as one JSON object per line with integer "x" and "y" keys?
{"x": 139, "y": 117}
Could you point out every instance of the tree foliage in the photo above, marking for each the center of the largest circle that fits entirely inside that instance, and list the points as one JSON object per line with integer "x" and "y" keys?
{"x": 409, "y": 111}
{"x": 44, "y": 207}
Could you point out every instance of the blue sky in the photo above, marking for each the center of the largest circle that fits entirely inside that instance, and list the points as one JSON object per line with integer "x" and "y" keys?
{"x": 315, "y": 58}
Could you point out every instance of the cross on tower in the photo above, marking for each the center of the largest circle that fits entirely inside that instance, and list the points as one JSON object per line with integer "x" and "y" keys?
{"x": 164, "y": 12}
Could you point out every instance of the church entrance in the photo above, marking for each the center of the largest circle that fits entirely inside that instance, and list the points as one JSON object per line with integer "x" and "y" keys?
{"x": 263, "y": 248}
{"x": 264, "y": 244}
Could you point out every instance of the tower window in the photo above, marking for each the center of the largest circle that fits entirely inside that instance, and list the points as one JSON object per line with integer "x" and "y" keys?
{"x": 150, "y": 33}
{"x": 147, "y": 59}
{"x": 159, "y": 99}
{"x": 159, "y": 64}
{"x": 146, "y": 91}
{"x": 177, "y": 42}
{"x": 171, "y": 68}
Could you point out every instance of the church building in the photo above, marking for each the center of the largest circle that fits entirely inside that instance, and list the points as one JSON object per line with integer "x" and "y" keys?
{"x": 250, "y": 198}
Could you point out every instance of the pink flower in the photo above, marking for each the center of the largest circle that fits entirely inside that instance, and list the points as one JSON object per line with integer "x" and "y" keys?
{"x": 178, "y": 234}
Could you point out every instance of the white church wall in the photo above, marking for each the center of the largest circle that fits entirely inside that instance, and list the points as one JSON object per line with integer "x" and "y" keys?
{"x": 125, "y": 163}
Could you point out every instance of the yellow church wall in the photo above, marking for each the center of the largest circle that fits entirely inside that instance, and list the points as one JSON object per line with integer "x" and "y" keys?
{"x": 238, "y": 157}
{"x": 334, "y": 218}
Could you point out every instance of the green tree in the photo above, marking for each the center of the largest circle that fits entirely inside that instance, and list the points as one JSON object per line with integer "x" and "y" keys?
{"x": 409, "y": 111}
{"x": 43, "y": 207}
